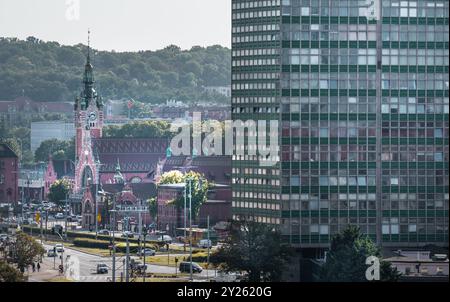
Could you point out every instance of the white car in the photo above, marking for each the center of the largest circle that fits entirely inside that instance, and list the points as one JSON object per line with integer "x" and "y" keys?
{"x": 59, "y": 247}
{"x": 59, "y": 216}
{"x": 205, "y": 243}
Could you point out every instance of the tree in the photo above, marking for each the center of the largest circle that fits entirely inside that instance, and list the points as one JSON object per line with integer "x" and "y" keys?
{"x": 254, "y": 248}
{"x": 199, "y": 187}
{"x": 58, "y": 191}
{"x": 9, "y": 273}
{"x": 153, "y": 207}
{"x": 147, "y": 129}
{"x": 346, "y": 260}
{"x": 56, "y": 148}
{"x": 26, "y": 251}
{"x": 47, "y": 71}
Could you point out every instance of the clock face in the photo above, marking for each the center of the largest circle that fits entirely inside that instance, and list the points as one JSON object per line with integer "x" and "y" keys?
{"x": 92, "y": 116}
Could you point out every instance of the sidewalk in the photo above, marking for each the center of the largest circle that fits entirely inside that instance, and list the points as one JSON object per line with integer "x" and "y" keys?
{"x": 46, "y": 272}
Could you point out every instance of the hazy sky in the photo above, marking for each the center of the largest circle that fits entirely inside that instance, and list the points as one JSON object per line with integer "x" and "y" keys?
{"x": 122, "y": 25}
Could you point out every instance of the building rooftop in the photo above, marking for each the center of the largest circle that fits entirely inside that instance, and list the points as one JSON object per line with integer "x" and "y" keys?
{"x": 6, "y": 151}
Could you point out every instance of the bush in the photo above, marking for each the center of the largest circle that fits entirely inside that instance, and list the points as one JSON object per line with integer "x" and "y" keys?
{"x": 198, "y": 257}
{"x": 121, "y": 247}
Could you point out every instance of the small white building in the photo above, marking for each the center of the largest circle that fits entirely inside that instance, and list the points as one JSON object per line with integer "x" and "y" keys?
{"x": 223, "y": 90}
{"x": 420, "y": 264}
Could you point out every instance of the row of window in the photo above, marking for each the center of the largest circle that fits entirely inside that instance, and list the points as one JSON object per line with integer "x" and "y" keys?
{"x": 257, "y": 218}
{"x": 255, "y": 28}
{"x": 303, "y": 35}
{"x": 250, "y": 100}
{"x": 255, "y": 52}
{"x": 257, "y": 205}
{"x": 256, "y": 14}
{"x": 255, "y": 38}
{"x": 258, "y": 195}
{"x": 255, "y": 76}
{"x": 395, "y": 132}
{"x": 413, "y": 109}
{"x": 254, "y": 4}
{"x": 255, "y": 62}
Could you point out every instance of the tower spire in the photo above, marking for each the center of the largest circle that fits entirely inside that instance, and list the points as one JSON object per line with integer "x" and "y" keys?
{"x": 89, "y": 46}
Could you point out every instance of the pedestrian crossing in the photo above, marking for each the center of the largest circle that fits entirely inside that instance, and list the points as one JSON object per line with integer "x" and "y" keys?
{"x": 93, "y": 279}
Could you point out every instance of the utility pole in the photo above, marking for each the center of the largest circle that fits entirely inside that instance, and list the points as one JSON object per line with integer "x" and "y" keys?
{"x": 46, "y": 224}
{"x": 65, "y": 211}
{"x": 185, "y": 197}
{"x": 190, "y": 226}
{"x": 209, "y": 248}
{"x": 113, "y": 226}
{"x": 127, "y": 268}
{"x": 40, "y": 220}
{"x": 140, "y": 224}
{"x": 145, "y": 267}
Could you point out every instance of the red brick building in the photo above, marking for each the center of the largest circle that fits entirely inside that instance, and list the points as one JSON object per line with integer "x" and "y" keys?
{"x": 9, "y": 175}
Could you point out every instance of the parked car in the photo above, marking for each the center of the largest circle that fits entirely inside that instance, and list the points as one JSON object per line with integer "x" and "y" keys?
{"x": 127, "y": 234}
{"x": 3, "y": 237}
{"x": 205, "y": 243}
{"x": 59, "y": 216}
{"x": 104, "y": 232}
{"x": 164, "y": 238}
{"x": 102, "y": 268}
{"x": 51, "y": 253}
{"x": 59, "y": 247}
{"x": 185, "y": 267}
{"x": 146, "y": 252}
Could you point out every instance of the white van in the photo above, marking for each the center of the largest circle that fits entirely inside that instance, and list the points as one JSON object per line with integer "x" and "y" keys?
{"x": 205, "y": 243}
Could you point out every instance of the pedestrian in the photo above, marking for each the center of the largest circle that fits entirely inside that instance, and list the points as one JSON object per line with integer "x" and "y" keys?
{"x": 38, "y": 267}
{"x": 33, "y": 266}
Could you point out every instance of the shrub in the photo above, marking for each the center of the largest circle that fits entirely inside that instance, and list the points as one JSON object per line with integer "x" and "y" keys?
{"x": 198, "y": 257}
{"x": 121, "y": 247}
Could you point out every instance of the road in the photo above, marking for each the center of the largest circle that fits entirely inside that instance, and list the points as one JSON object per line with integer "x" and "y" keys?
{"x": 87, "y": 264}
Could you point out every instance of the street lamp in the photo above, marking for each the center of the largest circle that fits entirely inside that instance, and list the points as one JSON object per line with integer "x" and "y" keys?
{"x": 112, "y": 227}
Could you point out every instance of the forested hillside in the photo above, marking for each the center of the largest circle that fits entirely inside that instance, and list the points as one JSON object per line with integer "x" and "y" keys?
{"x": 48, "y": 71}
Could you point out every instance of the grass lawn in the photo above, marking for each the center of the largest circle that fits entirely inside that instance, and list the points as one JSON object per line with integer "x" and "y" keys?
{"x": 162, "y": 260}
{"x": 58, "y": 279}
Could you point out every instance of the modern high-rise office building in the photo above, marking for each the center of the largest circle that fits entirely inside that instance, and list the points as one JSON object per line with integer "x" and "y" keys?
{"x": 360, "y": 90}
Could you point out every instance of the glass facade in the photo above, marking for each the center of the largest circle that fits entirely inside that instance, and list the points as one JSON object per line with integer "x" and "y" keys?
{"x": 361, "y": 92}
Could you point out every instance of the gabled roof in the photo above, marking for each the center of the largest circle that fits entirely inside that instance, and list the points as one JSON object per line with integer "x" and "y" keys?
{"x": 6, "y": 151}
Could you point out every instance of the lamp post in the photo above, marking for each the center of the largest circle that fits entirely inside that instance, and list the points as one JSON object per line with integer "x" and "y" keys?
{"x": 112, "y": 229}
{"x": 189, "y": 180}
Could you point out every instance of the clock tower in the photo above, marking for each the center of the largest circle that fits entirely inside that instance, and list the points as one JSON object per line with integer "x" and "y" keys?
{"x": 88, "y": 124}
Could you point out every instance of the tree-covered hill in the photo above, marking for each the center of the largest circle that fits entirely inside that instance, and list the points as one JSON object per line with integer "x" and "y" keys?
{"x": 48, "y": 71}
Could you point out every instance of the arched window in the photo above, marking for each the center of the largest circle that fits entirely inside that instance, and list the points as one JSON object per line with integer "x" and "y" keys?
{"x": 135, "y": 180}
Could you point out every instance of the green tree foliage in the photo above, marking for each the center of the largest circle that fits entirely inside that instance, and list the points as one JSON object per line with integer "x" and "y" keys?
{"x": 14, "y": 144}
{"x": 26, "y": 250}
{"x": 254, "y": 248}
{"x": 56, "y": 148}
{"x": 48, "y": 71}
{"x": 8, "y": 273}
{"x": 153, "y": 207}
{"x": 346, "y": 261}
{"x": 147, "y": 129}
{"x": 199, "y": 187}
{"x": 58, "y": 191}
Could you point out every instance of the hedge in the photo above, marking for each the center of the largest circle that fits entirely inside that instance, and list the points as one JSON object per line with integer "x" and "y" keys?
{"x": 70, "y": 234}
{"x": 198, "y": 257}
{"x": 104, "y": 244}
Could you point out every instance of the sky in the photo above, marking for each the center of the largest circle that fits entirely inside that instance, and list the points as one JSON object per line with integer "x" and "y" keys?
{"x": 120, "y": 25}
